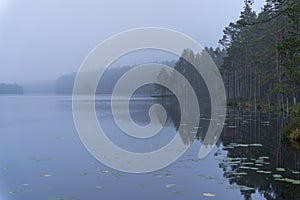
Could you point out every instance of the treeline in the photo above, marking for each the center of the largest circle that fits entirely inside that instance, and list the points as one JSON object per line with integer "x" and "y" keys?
{"x": 186, "y": 65}
{"x": 262, "y": 65}
{"x": 11, "y": 89}
{"x": 64, "y": 84}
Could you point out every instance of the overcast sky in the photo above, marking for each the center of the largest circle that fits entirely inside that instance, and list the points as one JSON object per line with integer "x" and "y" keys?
{"x": 42, "y": 39}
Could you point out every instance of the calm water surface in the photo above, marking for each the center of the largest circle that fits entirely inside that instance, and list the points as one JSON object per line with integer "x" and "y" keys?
{"x": 42, "y": 157}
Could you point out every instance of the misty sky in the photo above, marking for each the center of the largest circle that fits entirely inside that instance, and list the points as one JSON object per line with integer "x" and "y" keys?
{"x": 41, "y": 40}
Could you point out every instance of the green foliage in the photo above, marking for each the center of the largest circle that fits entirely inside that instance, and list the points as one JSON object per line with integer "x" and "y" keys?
{"x": 291, "y": 133}
{"x": 295, "y": 113}
{"x": 263, "y": 54}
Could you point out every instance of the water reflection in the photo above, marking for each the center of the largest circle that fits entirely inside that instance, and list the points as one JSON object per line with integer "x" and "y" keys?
{"x": 250, "y": 152}
{"x": 255, "y": 157}
{"x": 38, "y": 138}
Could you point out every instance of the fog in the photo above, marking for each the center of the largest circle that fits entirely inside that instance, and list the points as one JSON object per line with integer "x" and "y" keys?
{"x": 41, "y": 40}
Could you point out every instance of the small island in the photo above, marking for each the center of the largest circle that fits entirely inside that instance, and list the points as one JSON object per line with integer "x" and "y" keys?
{"x": 11, "y": 89}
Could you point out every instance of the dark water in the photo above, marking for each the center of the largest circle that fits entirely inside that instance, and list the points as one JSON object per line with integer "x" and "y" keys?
{"x": 41, "y": 157}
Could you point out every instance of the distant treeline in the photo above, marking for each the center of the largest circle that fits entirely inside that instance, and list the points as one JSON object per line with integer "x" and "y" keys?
{"x": 64, "y": 84}
{"x": 11, "y": 89}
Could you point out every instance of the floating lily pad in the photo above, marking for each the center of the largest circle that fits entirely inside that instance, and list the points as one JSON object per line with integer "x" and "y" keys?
{"x": 263, "y": 157}
{"x": 176, "y": 191}
{"x": 256, "y": 145}
{"x": 234, "y": 162}
{"x": 42, "y": 159}
{"x": 60, "y": 198}
{"x": 248, "y": 163}
{"x": 259, "y": 161}
{"x": 244, "y": 167}
{"x": 209, "y": 195}
{"x": 83, "y": 174}
{"x": 141, "y": 185}
{"x": 228, "y": 147}
{"x": 240, "y": 173}
{"x": 245, "y": 188}
{"x": 169, "y": 185}
{"x": 277, "y": 176}
{"x": 7, "y": 167}
{"x": 169, "y": 175}
{"x": 19, "y": 191}
{"x": 242, "y": 145}
{"x": 45, "y": 175}
{"x": 233, "y": 127}
{"x": 264, "y": 172}
{"x": 296, "y": 182}
{"x": 233, "y": 187}
{"x": 46, "y": 187}
{"x": 288, "y": 180}
{"x": 280, "y": 169}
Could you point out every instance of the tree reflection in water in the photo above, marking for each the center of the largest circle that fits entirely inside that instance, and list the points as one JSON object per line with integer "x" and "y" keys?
{"x": 252, "y": 156}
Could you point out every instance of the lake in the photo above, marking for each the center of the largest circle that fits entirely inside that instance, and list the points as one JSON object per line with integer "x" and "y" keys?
{"x": 42, "y": 157}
